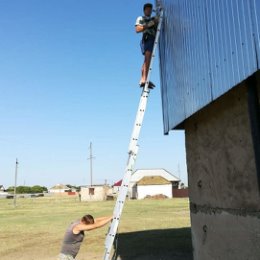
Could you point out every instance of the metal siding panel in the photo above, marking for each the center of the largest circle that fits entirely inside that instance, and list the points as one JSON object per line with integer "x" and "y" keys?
{"x": 198, "y": 91}
{"x": 164, "y": 83}
{"x": 177, "y": 94}
{"x": 247, "y": 39}
{"x": 201, "y": 87}
{"x": 226, "y": 69}
{"x": 242, "y": 40}
{"x": 231, "y": 58}
{"x": 174, "y": 95}
{"x": 207, "y": 48}
{"x": 234, "y": 40}
{"x": 163, "y": 69}
{"x": 216, "y": 44}
{"x": 255, "y": 14}
{"x": 182, "y": 59}
{"x": 187, "y": 98}
{"x": 176, "y": 103}
{"x": 185, "y": 75}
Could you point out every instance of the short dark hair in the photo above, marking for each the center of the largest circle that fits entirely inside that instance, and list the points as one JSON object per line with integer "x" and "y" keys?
{"x": 88, "y": 219}
{"x": 148, "y": 5}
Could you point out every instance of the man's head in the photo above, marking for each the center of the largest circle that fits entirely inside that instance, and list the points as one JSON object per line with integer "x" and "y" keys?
{"x": 87, "y": 219}
{"x": 148, "y": 9}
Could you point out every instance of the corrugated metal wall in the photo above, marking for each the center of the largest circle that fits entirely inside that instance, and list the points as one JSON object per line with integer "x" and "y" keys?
{"x": 206, "y": 48}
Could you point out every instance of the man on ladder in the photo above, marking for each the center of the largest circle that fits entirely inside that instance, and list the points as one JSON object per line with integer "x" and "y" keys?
{"x": 147, "y": 25}
{"x": 153, "y": 26}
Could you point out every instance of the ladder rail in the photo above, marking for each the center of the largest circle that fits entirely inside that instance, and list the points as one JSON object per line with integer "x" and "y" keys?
{"x": 132, "y": 153}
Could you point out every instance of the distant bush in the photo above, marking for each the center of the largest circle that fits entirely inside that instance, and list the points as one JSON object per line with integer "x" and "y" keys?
{"x": 23, "y": 189}
{"x": 37, "y": 195}
{"x": 10, "y": 189}
{"x": 28, "y": 189}
{"x": 38, "y": 189}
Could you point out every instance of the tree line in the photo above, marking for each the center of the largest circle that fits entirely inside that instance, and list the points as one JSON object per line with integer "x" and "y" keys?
{"x": 28, "y": 189}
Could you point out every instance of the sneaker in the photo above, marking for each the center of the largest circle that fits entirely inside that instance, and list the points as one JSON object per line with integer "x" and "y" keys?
{"x": 151, "y": 85}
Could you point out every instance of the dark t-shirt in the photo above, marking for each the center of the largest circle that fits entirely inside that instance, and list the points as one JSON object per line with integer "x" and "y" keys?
{"x": 142, "y": 20}
{"x": 71, "y": 242}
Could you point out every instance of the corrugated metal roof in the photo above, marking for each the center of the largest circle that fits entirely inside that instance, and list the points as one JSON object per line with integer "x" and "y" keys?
{"x": 206, "y": 48}
{"x": 153, "y": 180}
{"x": 139, "y": 174}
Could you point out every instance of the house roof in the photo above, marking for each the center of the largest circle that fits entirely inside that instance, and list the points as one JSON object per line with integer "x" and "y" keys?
{"x": 139, "y": 174}
{"x": 153, "y": 180}
{"x": 60, "y": 187}
{"x": 118, "y": 183}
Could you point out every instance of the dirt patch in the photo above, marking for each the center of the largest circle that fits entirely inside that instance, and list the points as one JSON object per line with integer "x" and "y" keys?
{"x": 156, "y": 197}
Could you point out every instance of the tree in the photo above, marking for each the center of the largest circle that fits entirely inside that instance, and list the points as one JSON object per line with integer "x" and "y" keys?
{"x": 28, "y": 189}
{"x": 10, "y": 189}
{"x": 38, "y": 189}
{"x": 23, "y": 189}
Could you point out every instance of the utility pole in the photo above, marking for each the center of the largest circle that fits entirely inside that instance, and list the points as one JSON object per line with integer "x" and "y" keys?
{"x": 15, "y": 181}
{"x": 91, "y": 163}
{"x": 179, "y": 171}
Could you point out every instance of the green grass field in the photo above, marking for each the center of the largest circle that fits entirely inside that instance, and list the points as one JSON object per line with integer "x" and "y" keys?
{"x": 149, "y": 229}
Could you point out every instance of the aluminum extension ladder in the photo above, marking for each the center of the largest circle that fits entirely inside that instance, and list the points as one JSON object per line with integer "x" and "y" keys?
{"x": 133, "y": 150}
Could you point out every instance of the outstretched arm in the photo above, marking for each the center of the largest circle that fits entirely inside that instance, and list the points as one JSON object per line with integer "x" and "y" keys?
{"x": 102, "y": 218}
{"x": 99, "y": 222}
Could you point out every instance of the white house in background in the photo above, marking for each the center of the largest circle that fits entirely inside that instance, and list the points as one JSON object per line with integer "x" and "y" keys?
{"x": 59, "y": 188}
{"x": 151, "y": 182}
{"x": 95, "y": 192}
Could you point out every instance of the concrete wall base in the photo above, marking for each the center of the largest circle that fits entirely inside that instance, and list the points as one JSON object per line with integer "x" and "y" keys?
{"x": 223, "y": 181}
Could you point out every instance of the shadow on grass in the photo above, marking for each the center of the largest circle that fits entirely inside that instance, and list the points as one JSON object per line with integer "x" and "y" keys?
{"x": 162, "y": 244}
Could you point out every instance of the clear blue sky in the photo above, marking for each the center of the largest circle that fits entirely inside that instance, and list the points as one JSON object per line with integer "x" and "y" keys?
{"x": 69, "y": 73}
